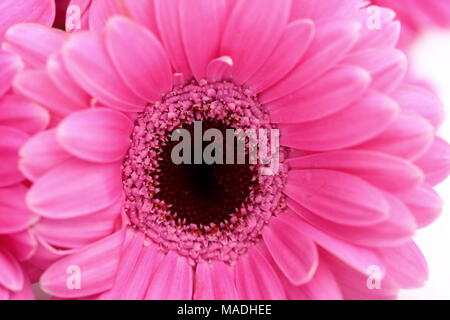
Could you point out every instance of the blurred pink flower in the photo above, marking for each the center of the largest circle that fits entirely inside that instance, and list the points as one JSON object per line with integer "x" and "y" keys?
{"x": 359, "y": 154}
{"x": 418, "y": 15}
{"x": 19, "y": 119}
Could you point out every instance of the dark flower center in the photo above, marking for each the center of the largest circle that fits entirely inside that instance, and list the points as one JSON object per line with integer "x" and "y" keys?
{"x": 204, "y": 194}
{"x": 203, "y": 210}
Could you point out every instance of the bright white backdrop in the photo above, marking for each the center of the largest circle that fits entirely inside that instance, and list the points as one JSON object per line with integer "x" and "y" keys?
{"x": 431, "y": 60}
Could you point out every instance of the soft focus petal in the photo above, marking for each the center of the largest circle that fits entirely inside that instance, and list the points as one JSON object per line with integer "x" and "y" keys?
{"x": 256, "y": 279}
{"x": 382, "y": 170}
{"x": 295, "y": 254}
{"x": 77, "y": 188}
{"x": 289, "y": 51}
{"x": 96, "y": 263}
{"x": 332, "y": 92}
{"x": 344, "y": 128}
{"x": 201, "y": 37}
{"x": 87, "y": 61}
{"x": 98, "y": 135}
{"x": 13, "y": 11}
{"x": 41, "y": 153}
{"x": 10, "y": 143}
{"x": 144, "y": 65}
{"x": 337, "y": 196}
{"x": 250, "y": 38}
{"x": 21, "y": 114}
{"x": 34, "y": 42}
{"x": 214, "y": 281}
{"x": 173, "y": 280}
{"x": 10, "y": 65}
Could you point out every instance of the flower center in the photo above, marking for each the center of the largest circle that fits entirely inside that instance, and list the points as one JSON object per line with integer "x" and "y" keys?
{"x": 203, "y": 210}
{"x": 204, "y": 194}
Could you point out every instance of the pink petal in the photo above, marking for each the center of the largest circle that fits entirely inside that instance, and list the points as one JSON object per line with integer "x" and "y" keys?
{"x": 26, "y": 293}
{"x": 143, "y": 11}
{"x": 295, "y": 254}
{"x": 332, "y": 92}
{"x": 41, "y": 153}
{"x": 97, "y": 135}
{"x": 101, "y": 11}
{"x": 320, "y": 10}
{"x": 22, "y": 245}
{"x": 33, "y": 42}
{"x": 12, "y": 12}
{"x": 295, "y": 40}
{"x": 353, "y": 284}
{"x": 421, "y": 101}
{"x": 359, "y": 258}
{"x": 44, "y": 256}
{"x": 331, "y": 42}
{"x": 132, "y": 248}
{"x": 87, "y": 61}
{"x": 37, "y": 86}
{"x": 219, "y": 69}
{"x": 201, "y": 37}
{"x": 435, "y": 163}
{"x": 408, "y": 136}
{"x": 79, "y": 231}
{"x": 4, "y": 293}
{"x": 397, "y": 230}
{"x": 214, "y": 281}
{"x": 384, "y": 37}
{"x": 75, "y": 188}
{"x": 382, "y": 170}
{"x": 144, "y": 66}
{"x": 20, "y": 114}
{"x": 337, "y": 196}
{"x": 97, "y": 264}
{"x": 249, "y": 39}
{"x": 173, "y": 280}
{"x": 168, "y": 20}
{"x": 141, "y": 274}
{"x": 14, "y": 214}
{"x": 386, "y": 66}
{"x": 256, "y": 279}
{"x": 11, "y": 276}
{"x": 10, "y": 143}
{"x": 406, "y": 265}
{"x": 10, "y": 65}
{"x": 64, "y": 82}
{"x": 425, "y": 204}
{"x": 344, "y": 128}
{"x": 323, "y": 286}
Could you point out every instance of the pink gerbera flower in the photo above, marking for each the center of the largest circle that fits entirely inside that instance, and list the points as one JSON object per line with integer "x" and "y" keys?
{"x": 358, "y": 156}
{"x": 418, "y": 15}
{"x": 19, "y": 119}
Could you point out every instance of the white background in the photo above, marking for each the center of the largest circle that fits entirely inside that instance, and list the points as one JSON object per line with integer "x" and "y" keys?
{"x": 431, "y": 59}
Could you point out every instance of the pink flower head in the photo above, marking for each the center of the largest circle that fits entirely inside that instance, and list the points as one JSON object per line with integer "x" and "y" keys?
{"x": 358, "y": 159}
{"x": 19, "y": 119}
{"x": 418, "y": 15}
